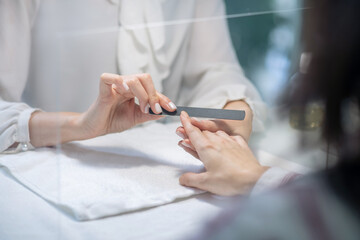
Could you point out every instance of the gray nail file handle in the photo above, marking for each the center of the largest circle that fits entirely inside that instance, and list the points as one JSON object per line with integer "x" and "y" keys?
{"x": 205, "y": 113}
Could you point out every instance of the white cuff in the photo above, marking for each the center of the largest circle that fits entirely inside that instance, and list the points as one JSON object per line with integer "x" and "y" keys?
{"x": 22, "y": 132}
{"x": 22, "y": 135}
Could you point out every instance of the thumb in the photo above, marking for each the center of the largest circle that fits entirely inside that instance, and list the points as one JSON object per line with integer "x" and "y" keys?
{"x": 141, "y": 117}
{"x": 195, "y": 180}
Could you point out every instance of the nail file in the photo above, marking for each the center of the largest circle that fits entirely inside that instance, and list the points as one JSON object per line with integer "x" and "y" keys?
{"x": 205, "y": 113}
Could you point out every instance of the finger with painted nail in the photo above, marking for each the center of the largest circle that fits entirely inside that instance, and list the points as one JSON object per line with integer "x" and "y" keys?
{"x": 166, "y": 103}
{"x": 137, "y": 89}
{"x": 155, "y": 99}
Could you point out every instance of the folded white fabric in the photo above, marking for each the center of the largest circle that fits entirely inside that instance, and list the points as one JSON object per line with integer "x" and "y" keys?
{"x": 108, "y": 175}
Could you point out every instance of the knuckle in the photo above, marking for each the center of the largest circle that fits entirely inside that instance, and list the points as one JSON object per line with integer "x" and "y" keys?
{"x": 205, "y": 146}
{"x": 240, "y": 140}
{"x": 132, "y": 81}
{"x": 144, "y": 99}
{"x": 224, "y": 141}
{"x": 163, "y": 97}
{"x": 189, "y": 128}
{"x": 184, "y": 180}
{"x": 118, "y": 78}
{"x": 146, "y": 76}
{"x": 207, "y": 132}
{"x": 153, "y": 98}
{"x": 202, "y": 178}
{"x": 166, "y": 99}
{"x": 103, "y": 76}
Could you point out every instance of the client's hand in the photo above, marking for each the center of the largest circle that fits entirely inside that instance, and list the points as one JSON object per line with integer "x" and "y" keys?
{"x": 115, "y": 109}
{"x": 231, "y": 127}
{"x": 231, "y": 168}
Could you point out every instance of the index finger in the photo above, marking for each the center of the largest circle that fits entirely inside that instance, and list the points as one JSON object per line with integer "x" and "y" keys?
{"x": 196, "y": 137}
{"x": 148, "y": 85}
{"x": 107, "y": 81}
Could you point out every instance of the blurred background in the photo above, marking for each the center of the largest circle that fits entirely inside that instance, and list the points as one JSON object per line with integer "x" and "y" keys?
{"x": 266, "y": 41}
{"x": 266, "y": 37}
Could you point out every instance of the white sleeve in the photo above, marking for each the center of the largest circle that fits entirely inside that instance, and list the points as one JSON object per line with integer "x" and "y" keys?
{"x": 213, "y": 75}
{"x": 273, "y": 178}
{"x": 16, "y": 18}
{"x": 14, "y": 126}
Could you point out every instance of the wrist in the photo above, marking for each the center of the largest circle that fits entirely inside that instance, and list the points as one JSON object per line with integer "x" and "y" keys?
{"x": 245, "y": 182}
{"x": 48, "y": 129}
{"x": 84, "y": 128}
{"x": 244, "y": 127}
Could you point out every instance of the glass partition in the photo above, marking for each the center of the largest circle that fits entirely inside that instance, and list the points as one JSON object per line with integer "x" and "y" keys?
{"x": 199, "y": 54}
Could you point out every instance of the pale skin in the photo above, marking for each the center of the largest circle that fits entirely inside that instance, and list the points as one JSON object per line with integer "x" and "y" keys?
{"x": 226, "y": 159}
{"x": 231, "y": 127}
{"x": 115, "y": 111}
{"x": 230, "y": 166}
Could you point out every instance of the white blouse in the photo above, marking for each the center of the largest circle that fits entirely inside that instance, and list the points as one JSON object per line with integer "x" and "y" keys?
{"x": 52, "y": 53}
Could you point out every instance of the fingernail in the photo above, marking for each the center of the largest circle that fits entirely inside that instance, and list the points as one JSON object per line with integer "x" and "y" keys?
{"x": 172, "y": 105}
{"x": 158, "y": 108}
{"x": 180, "y": 134}
{"x": 126, "y": 86}
{"x": 185, "y": 144}
{"x": 147, "y": 108}
{"x": 113, "y": 86}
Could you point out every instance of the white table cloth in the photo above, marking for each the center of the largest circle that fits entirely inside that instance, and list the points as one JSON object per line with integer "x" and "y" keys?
{"x": 25, "y": 215}
{"x": 108, "y": 175}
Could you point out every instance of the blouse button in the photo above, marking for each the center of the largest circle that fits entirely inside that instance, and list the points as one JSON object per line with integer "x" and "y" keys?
{"x": 24, "y": 147}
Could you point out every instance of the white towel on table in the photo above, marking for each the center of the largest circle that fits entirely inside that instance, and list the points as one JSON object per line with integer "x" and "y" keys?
{"x": 108, "y": 175}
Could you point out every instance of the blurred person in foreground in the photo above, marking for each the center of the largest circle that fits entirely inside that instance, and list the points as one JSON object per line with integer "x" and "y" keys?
{"x": 323, "y": 205}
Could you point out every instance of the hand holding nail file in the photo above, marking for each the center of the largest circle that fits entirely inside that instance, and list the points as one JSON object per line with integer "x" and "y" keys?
{"x": 205, "y": 113}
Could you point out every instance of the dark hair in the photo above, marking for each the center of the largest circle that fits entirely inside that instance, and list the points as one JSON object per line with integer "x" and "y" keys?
{"x": 331, "y": 33}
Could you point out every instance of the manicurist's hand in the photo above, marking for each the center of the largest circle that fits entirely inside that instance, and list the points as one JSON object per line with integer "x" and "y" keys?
{"x": 114, "y": 110}
{"x": 231, "y": 167}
